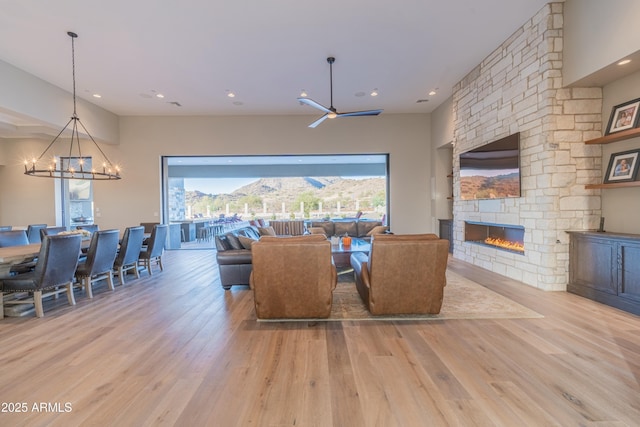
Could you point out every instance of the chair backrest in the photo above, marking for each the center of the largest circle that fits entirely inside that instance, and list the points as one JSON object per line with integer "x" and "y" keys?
{"x": 57, "y": 260}
{"x": 33, "y": 232}
{"x": 157, "y": 240}
{"x": 13, "y": 238}
{"x": 148, "y": 226}
{"x": 102, "y": 251}
{"x": 407, "y": 273}
{"x": 51, "y": 231}
{"x": 293, "y": 277}
{"x": 91, "y": 228}
{"x": 130, "y": 246}
{"x": 6, "y": 227}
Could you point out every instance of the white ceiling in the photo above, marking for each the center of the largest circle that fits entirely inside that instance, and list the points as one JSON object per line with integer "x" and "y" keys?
{"x": 266, "y": 52}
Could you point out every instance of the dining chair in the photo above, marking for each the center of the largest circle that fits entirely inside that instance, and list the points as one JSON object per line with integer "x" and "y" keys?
{"x": 53, "y": 273}
{"x": 129, "y": 252}
{"x": 33, "y": 232}
{"x": 98, "y": 264}
{"x": 13, "y": 238}
{"x": 155, "y": 247}
{"x": 51, "y": 231}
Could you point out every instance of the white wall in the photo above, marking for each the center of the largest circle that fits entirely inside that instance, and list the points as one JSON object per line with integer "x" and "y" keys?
{"x": 136, "y": 198}
{"x": 442, "y": 160}
{"x": 47, "y": 107}
{"x": 598, "y": 33}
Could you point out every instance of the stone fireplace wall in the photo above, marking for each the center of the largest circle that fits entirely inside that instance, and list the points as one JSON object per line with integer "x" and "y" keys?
{"x": 518, "y": 88}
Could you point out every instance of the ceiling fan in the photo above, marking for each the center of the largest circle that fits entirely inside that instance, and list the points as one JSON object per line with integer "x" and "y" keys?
{"x": 331, "y": 112}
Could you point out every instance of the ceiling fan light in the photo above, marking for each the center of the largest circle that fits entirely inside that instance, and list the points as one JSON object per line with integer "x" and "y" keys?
{"x": 303, "y": 94}
{"x": 331, "y": 115}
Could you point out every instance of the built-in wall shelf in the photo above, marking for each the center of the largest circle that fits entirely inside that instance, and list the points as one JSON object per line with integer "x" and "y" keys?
{"x": 615, "y": 137}
{"x": 612, "y": 185}
{"x": 607, "y": 139}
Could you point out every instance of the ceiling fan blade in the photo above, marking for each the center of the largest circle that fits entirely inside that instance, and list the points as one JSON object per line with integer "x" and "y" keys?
{"x": 314, "y": 104}
{"x": 361, "y": 113}
{"x": 320, "y": 120}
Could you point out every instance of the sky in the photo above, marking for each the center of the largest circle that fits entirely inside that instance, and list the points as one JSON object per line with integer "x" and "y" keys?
{"x": 216, "y": 185}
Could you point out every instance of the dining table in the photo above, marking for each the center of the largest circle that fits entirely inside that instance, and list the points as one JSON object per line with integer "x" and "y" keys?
{"x": 11, "y": 255}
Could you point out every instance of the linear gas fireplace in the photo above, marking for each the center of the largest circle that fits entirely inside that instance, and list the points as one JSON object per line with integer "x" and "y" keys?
{"x": 501, "y": 236}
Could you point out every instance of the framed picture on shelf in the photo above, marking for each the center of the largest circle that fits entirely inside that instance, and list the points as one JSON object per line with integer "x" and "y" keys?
{"x": 623, "y": 167}
{"x": 624, "y": 116}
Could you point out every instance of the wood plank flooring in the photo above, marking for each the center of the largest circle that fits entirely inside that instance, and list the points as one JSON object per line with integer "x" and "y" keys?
{"x": 175, "y": 349}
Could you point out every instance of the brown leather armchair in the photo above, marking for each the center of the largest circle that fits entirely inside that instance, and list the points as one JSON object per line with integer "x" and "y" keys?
{"x": 403, "y": 274}
{"x": 293, "y": 277}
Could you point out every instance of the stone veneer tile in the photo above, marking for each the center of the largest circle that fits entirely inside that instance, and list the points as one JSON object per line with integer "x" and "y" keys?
{"x": 518, "y": 88}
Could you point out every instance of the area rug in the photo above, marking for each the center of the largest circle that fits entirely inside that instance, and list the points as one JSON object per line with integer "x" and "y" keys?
{"x": 463, "y": 299}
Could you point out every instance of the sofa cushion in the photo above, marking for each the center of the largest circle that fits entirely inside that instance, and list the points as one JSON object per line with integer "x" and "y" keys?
{"x": 246, "y": 241}
{"x": 345, "y": 227}
{"x": 327, "y": 226}
{"x": 266, "y": 231}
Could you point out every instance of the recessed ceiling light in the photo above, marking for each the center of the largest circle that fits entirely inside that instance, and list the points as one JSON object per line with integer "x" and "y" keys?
{"x": 97, "y": 95}
{"x": 159, "y": 95}
{"x": 624, "y": 62}
{"x": 374, "y": 92}
{"x": 231, "y": 94}
{"x": 433, "y": 92}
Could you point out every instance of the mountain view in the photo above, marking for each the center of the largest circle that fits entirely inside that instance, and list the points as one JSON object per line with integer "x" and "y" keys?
{"x": 351, "y": 194}
{"x": 492, "y": 187}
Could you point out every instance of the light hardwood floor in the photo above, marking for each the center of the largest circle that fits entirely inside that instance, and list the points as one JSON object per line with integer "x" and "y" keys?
{"x": 175, "y": 349}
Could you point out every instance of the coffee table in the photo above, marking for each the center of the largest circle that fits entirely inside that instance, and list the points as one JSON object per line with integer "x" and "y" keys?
{"x": 342, "y": 254}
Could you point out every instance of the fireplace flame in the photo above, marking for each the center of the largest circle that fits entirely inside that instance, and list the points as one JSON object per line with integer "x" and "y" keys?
{"x": 506, "y": 244}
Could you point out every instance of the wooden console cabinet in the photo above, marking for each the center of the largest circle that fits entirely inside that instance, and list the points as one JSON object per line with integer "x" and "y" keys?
{"x": 605, "y": 267}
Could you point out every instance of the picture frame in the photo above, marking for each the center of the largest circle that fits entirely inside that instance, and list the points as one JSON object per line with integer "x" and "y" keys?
{"x": 623, "y": 167}
{"x": 624, "y": 116}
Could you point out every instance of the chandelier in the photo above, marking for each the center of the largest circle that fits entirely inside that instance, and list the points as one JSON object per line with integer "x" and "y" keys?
{"x": 83, "y": 165}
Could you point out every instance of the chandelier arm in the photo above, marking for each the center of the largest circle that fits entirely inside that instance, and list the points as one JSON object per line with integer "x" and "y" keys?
{"x": 104, "y": 156}
{"x": 55, "y": 139}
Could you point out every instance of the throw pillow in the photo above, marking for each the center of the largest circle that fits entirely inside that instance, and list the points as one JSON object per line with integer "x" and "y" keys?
{"x": 317, "y": 230}
{"x": 246, "y": 241}
{"x": 222, "y": 243}
{"x": 234, "y": 241}
{"x": 380, "y": 229}
{"x": 267, "y": 231}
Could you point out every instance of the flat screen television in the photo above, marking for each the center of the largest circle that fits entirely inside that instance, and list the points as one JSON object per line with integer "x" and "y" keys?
{"x": 491, "y": 171}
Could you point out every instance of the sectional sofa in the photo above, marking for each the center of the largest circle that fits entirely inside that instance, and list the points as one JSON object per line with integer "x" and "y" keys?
{"x": 233, "y": 249}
